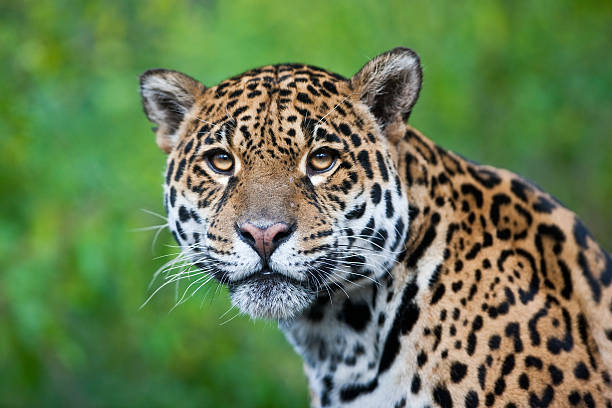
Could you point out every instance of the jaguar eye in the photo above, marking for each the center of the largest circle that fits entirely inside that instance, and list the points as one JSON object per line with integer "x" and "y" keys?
{"x": 220, "y": 161}
{"x": 321, "y": 160}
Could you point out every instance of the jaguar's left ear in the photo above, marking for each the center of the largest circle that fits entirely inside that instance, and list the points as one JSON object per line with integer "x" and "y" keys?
{"x": 389, "y": 85}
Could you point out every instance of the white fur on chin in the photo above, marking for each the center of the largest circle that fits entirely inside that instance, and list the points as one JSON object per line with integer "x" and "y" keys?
{"x": 271, "y": 299}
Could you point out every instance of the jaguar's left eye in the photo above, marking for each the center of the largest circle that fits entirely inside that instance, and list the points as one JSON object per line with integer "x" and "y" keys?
{"x": 321, "y": 160}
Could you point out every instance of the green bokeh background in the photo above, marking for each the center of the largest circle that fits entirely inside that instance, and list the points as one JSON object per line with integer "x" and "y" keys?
{"x": 522, "y": 85}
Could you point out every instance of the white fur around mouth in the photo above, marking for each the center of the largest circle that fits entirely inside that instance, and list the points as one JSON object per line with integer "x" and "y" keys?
{"x": 267, "y": 275}
{"x": 271, "y": 296}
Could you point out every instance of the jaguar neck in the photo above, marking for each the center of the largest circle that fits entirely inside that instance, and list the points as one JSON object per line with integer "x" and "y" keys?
{"x": 427, "y": 172}
{"x": 349, "y": 340}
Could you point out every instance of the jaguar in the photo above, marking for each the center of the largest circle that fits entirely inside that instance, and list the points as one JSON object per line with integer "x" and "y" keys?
{"x": 402, "y": 273}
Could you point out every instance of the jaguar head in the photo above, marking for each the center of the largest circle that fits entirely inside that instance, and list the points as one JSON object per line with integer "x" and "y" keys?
{"x": 282, "y": 182}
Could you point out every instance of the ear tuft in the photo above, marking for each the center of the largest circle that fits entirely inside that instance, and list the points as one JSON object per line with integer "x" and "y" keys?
{"x": 166, "y": 97}
{"x": 389, "y": 85}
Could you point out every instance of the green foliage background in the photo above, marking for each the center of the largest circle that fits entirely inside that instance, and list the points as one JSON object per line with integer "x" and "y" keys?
{"x": 522, "y": 85}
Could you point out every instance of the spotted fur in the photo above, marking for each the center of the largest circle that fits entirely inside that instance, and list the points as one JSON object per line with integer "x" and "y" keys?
{"x": 409, "y": 276}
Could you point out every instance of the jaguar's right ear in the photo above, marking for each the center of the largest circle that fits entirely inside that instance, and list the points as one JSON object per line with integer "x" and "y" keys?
{"x": 166, "y": 97}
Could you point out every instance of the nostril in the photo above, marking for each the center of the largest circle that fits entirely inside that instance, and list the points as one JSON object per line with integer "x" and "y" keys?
{"x": 245, "y": 232}
{"x": 247, "y": 236}
{"x": 281, "y": 235}
{"x": 277, "y": 234}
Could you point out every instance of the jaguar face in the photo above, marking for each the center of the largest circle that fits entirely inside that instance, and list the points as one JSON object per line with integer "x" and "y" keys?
{"x": 282, "y": 182}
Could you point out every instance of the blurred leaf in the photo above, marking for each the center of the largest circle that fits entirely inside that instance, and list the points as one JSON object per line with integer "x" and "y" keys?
{"x": 521, "y": 85}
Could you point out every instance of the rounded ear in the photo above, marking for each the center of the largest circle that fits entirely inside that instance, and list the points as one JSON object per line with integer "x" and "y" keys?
{"x": 166, "y": 97}
{"x": 389, "y": 85}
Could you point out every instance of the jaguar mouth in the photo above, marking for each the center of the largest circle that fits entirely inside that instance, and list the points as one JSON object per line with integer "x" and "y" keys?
{"x": 270, "y": 295}
{"x": 269, "y": 276}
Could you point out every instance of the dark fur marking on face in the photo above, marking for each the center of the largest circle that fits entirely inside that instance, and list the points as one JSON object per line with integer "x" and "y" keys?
{"x": 388, "y": 204}
{"x": 364, "y": 159}
{"x": 375, "y": 193}
{"x": 169, "y": 172}
{"x": 356, "y": 212}
{"x": 382, "y": 166}
{"x": 183, "y": 214}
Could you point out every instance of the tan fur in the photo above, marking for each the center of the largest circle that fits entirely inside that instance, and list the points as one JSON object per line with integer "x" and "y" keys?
{"x": 494, "y": 295}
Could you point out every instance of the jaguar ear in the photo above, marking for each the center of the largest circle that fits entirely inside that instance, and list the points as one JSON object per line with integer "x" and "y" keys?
{"x": 166, "y": 97}
{"x": 389, "y": 85}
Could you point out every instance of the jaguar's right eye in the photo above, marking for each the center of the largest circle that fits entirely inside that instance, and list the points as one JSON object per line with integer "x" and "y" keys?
{"x": 220, "y": 162}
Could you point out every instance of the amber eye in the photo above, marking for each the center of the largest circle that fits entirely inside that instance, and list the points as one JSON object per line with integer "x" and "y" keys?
{"x": 321, "y": 160}
{"x": 220, "y": 161}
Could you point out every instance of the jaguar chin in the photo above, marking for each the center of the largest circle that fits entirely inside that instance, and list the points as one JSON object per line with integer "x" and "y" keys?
{"x": 270, "y": 295}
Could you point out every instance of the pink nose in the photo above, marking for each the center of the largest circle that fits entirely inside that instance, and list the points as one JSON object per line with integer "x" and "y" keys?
{"x": 265, "y": 240}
